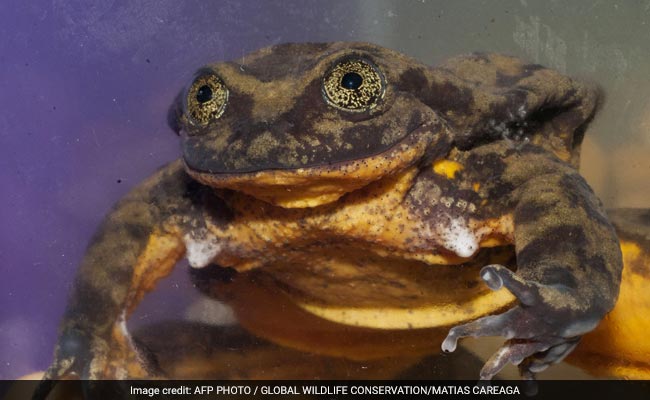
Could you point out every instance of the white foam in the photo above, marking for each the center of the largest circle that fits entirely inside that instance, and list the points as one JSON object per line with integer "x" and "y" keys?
{"x": 458, "y": 237}
{"x": 201, "y": 249}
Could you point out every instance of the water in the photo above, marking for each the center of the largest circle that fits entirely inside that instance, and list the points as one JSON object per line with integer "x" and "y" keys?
{"x": 85, "y": 86}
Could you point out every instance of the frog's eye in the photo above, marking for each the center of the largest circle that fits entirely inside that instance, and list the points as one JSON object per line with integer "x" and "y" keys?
{"x": 206, "y": 99}
{"x": 354, "y": 85}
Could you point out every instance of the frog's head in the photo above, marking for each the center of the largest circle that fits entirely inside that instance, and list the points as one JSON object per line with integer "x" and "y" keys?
{"x": 299, "y": 125}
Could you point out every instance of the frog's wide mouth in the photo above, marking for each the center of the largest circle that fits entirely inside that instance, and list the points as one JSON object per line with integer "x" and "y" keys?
{"x": 320, "y": 184}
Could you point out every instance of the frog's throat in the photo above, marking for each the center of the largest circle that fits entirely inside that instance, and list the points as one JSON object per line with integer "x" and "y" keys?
{"x": 314, "y": 186}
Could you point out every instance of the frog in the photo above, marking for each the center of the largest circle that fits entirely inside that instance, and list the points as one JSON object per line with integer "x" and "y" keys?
{"x": 365, "y": 185}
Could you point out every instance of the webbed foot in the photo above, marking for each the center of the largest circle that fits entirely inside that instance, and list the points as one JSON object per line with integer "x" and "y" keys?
{"x": 541, "y": 330}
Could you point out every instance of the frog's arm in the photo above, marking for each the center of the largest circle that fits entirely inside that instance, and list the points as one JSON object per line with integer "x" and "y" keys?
{"x": 137, "y": 244}
{"x": 568, "y": 259}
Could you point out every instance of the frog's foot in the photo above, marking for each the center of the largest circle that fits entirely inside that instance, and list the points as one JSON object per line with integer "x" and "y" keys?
{"x": 115, "y": 357}
{"x": 541, "y": 330}
{"x": 79, "y": 356}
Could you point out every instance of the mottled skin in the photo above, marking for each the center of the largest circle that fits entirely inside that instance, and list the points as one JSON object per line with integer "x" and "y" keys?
{"x": 618, "y": 346}
{"x": 479, "y": 151}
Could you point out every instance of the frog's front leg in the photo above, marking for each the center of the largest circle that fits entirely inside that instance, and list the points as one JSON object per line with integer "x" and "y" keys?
{"x": 568, "y": 268}
{"x": 138, "y": 243}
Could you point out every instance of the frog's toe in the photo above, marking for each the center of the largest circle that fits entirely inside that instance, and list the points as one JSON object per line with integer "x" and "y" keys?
{"x": 531, "y": 344}
{"x": 72, "y": 358}
{"x": 513, "y": 352}
{"x": 541, "y": 330}
{"x": 71, "y": 361}
{"x": 493, "y": 325}
{"x": 110, "y": 356}
{"x": 531, "y": 356}
{"x": 85, "y": 357}
{"x": 538, "y": 362}
{"x": 496, "y": 276}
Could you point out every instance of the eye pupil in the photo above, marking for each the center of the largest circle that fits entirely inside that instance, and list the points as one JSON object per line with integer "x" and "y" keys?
{"x": 351, "y": 80}
{"x": 204, "y": 94}
{"x": 353, "y": 85}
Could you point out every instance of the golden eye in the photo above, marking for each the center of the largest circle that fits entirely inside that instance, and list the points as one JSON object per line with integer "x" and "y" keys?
{"x": 206, "y": 99}
{"x": 354, "y": 85}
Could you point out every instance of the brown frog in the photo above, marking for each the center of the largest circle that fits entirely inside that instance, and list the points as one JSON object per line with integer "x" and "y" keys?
{"x": 368, "y": 187}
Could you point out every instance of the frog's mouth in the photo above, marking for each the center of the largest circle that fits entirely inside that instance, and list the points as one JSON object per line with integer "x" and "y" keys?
{"x": 322, "y": 184}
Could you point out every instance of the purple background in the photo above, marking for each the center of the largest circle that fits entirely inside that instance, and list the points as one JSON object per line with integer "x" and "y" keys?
{"x": 85, "y": 86}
